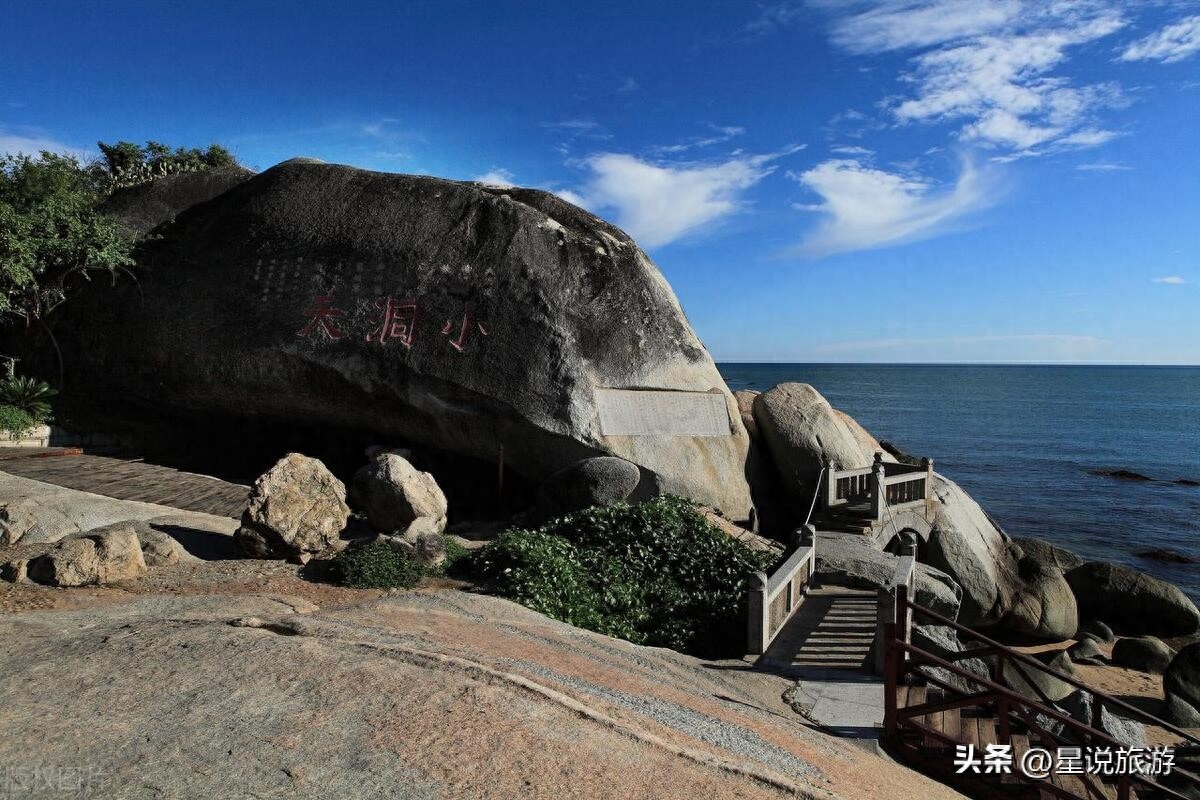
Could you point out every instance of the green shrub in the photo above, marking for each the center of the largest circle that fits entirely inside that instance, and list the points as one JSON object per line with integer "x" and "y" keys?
{"x": 16, "y": 422}
{"x": 456, "y": 559}
{"x": 656, "y": 573}
{"x": 28, "y": 394}
{"x": 375, "y": 565}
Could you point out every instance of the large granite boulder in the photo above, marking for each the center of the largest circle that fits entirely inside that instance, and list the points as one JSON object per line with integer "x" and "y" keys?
{"x": 146, "y": 206}
{"x": 967, "y": 546}
{"x": 393, "y": 494}
{"x": 1043, "y": 606}
{"x": 467, "y": 319}
{"x": 1181, "y": 679}
{"x": 802, "y": 432}
{"x": 1047, "y": 553}
{"x": 1132, "y": 602}
{"x": 1144, "y": 653}
{"x": 848, "y": 559}
{"x": 600, "y": 481}
{"x": 296, "y": 509}
{"x": 104, "y": 556}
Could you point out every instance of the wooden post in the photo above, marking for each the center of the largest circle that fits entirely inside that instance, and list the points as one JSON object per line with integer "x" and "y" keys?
{"x": 891, "y": 683}
{"x": 758, "y": 628}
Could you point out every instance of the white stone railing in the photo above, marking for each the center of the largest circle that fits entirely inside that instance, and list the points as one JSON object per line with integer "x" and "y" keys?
{"x": 882, "y": 485}
{"x": 774, "y": 598}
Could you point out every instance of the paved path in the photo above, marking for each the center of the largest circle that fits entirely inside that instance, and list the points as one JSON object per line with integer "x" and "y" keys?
{"x": 126, "y": 479}
{"x": 826, "y": 647}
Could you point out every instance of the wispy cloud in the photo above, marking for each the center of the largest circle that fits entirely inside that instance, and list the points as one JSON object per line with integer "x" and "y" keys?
{"x": 993, "y": 68}
{"x": 1173, "y": 43}
{"x": 1103, "y": 167}
{"x": 32, "y": 143}
{"x": 865, "y": 208}
{"x": 659, "y": 203}
{"x": 1171, "y": 280}
{"x": 721, "y": 134}
{"x": 497, "y": 177}
{"x": 772, "y": 17}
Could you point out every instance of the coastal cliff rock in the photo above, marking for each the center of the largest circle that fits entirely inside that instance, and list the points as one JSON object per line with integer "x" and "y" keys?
{"x": 1044, "y": 606}
{"x": 967, "y": 546}
{"x": 463, "y": 318}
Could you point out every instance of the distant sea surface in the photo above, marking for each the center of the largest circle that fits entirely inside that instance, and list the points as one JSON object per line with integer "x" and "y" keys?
{"x": 1023, "y": 441}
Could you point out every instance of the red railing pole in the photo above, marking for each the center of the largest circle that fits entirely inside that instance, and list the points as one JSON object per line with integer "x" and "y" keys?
{"x": 891, "y": 681}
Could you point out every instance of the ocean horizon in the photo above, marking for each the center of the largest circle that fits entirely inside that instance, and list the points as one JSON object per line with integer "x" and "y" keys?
{"x": 1026, "y": 441}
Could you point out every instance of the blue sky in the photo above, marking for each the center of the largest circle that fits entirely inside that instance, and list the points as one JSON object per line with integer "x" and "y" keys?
{"x": 820, "y": 180}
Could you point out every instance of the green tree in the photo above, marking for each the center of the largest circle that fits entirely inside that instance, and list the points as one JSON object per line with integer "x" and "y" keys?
{"x": 52, "y": 232}
{"x": 128, "y": 164}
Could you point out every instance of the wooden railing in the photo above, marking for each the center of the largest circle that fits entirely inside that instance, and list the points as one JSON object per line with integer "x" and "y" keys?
{"x": 883, "y": 486}
{"x": 774, "y": 598}
{"x": 1014, "y": 712}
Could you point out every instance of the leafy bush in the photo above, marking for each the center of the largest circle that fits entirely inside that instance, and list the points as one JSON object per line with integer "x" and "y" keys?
{"x": 28, "y": 394}
{"x": 16, "y": 422}
{"x": 375, "y": 565}
{"x": 128, "y": 164}
{"x": 656, "y": 573}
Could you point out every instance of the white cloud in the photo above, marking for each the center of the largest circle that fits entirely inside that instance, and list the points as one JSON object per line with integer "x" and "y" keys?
{"x": 851, "y": 150}
{"x": 31, "y": 145}
{"x": 900, "y": 24}
{"x": 1173, "y": 43}
{"x": 1171, "y": 280}
{"x": 1103, "y": 166}
{"x": 661, "y": 203}
{"x": 992, "y": 67}
{"x": 497, "y": 177}
{"x": 721, "y": 134}
{"x": 866, "y": 208}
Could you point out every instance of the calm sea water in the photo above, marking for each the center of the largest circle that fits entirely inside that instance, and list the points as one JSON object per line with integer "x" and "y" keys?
{"x": 1023, "y": 439}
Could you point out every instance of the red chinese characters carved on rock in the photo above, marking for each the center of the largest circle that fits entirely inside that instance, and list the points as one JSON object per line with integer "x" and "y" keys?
{"x": 399, "y": 321}
{"x": 465, "y": 328}
{"x": 321, "y": 317}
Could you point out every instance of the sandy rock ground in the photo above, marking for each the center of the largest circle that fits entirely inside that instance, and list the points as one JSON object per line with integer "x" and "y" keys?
{"x": 240, "y": 678}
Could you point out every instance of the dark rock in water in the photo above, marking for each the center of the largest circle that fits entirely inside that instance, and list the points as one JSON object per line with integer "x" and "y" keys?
{"x": 898, "y": 454}
{"x": 1048, "y": 553}
{"x": 1097, "y": 629}
{"x": 1182, "y": 676}
{"x": 465, "y": 319}
{"x": 592, "y": 482}
{"x": 1145, "y": 653}
{"x": 1163, "y": 554}
{"x": 1186, "y": 482}
{"x": 1132, "y": 602}
{"x": 1121, "y": 474}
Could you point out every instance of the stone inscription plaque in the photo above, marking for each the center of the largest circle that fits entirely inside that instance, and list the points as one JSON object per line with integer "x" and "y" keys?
{"x": 627, "y": 412}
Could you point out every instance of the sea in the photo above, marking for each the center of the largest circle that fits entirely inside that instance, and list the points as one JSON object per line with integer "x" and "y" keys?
{"x": 1027, "y": 441}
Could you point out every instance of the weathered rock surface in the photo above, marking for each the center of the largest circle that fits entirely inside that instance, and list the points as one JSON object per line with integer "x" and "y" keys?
{"x": 393, "y": 494}
{"x": 600, "y": 481}
{"x": 1182, "y": 676}
{"x": 160, "y": 549}
{"x": 802, "y": 431}
{"x": 851, "y": 560}
{"x": 1047, "y": 553}
{"x": 1087, "y": 651}
{"x": 143, "y": 208}
{"x": 1180, "y": 713}
{"x": 1034, "y": 683}
{"x": 1145, "y": 653}
{"x": 421, "y": 695}
{"x": 969, "y": 548}
{"x": 1098, "y": 630}
{"x": 1044, "y": 606}
{"x": 31, "y": 522}
{"x": 111, "y": 555}
{"x": 745, "y": 404}
{"x": 426, "y": 547}
{"x": 451, "y": 315}
{"x": 1132, "y": 602}
{"x": 1079, "y": 705}
{"x": 295, "y": 508}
